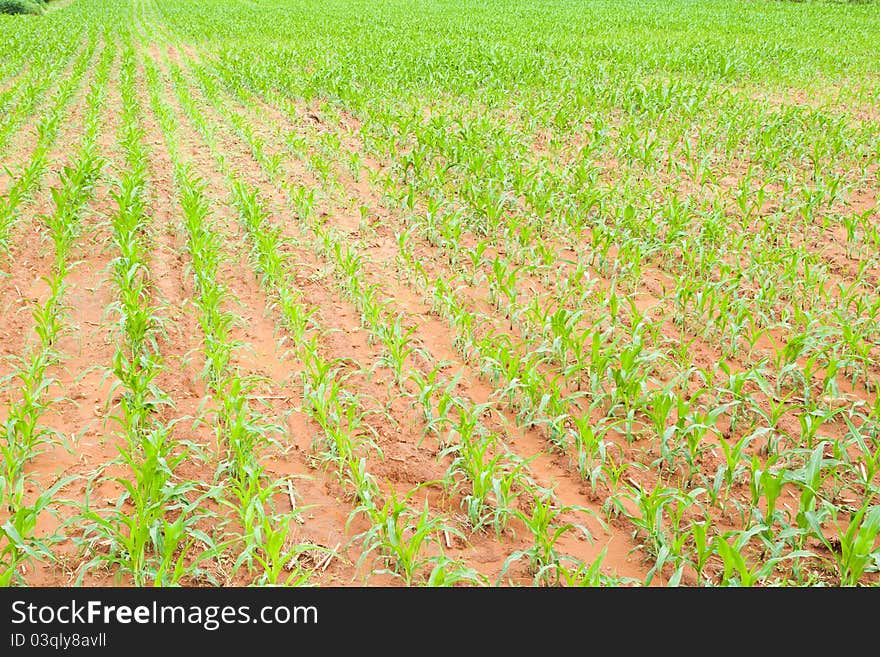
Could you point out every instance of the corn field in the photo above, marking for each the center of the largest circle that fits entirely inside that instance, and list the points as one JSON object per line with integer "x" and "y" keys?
{"x": 440, "y": 293}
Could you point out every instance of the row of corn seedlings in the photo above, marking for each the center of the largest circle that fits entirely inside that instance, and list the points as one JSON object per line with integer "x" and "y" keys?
{"x": 42, "y": 57}
{"x": 262, "y": 536}
{"x": 28, "y": 180}
{"x": 148, "y": 531}
{"x": 31, "y": 384}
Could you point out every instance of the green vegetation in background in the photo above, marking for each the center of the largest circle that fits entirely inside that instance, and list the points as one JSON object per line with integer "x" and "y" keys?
{"x": 21, "y": 7}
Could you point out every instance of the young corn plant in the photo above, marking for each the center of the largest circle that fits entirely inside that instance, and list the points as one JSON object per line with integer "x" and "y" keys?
{"x": 546, "y": 526}
{"x": 399, "y": 537}
{"x": 853, "y": 546}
